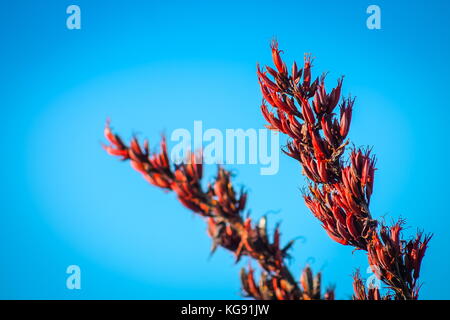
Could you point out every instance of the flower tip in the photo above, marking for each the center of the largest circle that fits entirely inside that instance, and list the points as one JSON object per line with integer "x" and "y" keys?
{"x": 274, "y": 44}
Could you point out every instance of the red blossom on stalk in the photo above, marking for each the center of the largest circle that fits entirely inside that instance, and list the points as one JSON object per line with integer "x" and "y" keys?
{"x": 339, "y": 191}
{"x": 223, "y": 208}
{"x": 397, "y": 261}
{"x": 361, "y": 293}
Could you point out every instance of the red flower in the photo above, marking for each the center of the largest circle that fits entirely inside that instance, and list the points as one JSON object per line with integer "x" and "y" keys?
{"x": 281, "y": 66}
{"x": 340, "y": 191}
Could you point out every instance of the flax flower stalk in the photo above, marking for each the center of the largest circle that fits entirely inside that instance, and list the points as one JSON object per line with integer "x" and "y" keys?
{"x": 222, "y": 206}
{"x": 317, "y": 122}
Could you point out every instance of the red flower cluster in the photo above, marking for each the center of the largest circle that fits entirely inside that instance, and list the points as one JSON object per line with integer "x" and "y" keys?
{"x": 223, "y": 208}
{"x": 339, "y": 193}
{"x": 342, "y": 207}
{"x": 398, "y": 262}
{"x": 269, "y": 288}
{"x": 360, "y": 292}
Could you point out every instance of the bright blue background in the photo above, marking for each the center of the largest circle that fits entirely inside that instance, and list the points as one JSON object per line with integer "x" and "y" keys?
{"x": 154, "y": 66}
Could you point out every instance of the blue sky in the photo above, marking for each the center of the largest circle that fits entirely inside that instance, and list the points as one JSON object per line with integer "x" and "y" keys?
{"x": 154, "y": 66}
